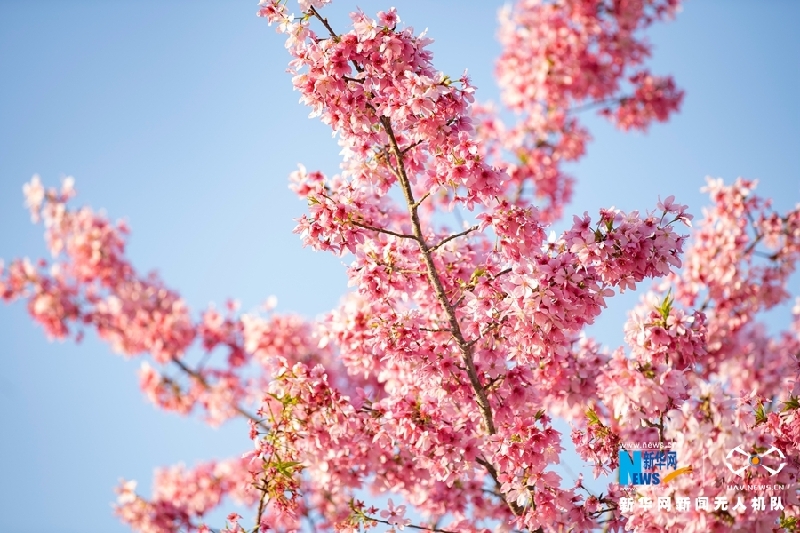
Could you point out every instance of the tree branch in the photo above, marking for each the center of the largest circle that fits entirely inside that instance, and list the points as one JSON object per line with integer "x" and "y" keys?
{"x": 516, "y": 509}
{"x": 409, "y": 147}
{"x": 410, "y": 526}
{"x": 433, "y": 275}
{"x": 598, "y": 103}
{"x": 382, "y": 230}
{"x": 200, "y": 379}
{"x": 261, "y": 504}
{"x": 324, "y": 21}
{"x": 454, "y": 236}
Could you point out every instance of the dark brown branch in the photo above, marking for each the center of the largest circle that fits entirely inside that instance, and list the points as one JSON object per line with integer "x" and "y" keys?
{"x": 435, "y": 330}
{"x": 501, "y": 273}
{"x": 765, "y": 255}
{"x": 454, "y": 236}
{"x": 324, "y": 21}
{"x": 328, "y": 27}
{"x": 409, "y": 147}
{"x": 516, "y": 509}
{"x": 410, "y": 526}
{"x": 419, "y": 202}
{"x": 433, "y": 275}
{"x": 382, "y": 230}
{"x": 261, "y": 505}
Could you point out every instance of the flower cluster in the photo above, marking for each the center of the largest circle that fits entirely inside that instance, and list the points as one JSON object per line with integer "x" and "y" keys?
{"x": 439, "y": 376}
{"x": 182, "y": 497}
{"x": 560, "y": 58}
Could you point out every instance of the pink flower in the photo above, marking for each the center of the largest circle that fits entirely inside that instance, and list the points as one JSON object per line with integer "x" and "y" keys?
{"x": 394, "y": 515}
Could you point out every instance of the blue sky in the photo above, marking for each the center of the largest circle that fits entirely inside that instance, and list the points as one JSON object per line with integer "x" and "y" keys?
{"x": 179, "y": 117}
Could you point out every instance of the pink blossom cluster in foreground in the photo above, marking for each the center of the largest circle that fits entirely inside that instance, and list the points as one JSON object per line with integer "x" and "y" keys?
{"x": 438, "y": 378}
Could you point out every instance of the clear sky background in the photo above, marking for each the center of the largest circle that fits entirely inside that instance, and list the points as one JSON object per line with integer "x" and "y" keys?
{"x": 179, "y": 117}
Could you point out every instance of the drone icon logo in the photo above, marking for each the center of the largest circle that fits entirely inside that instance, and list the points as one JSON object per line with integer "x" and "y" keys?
{"x": 755, "y": 460}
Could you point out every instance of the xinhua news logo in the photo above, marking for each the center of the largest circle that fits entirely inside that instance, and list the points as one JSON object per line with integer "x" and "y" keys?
{"x": 646, "y": 467}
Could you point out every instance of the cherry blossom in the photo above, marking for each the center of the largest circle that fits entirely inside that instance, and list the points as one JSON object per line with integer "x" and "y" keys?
{"x": 439, "y": 377}
{"x": 394, "y": 515}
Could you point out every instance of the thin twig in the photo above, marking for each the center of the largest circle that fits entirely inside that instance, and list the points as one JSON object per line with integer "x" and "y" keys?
{"x": 501, "y": 273}
{"x": 598, "y": 103}
{"x": 410, "y": 526}
{"x": 324, "y": 21}
{"x": 454, "y": 236}
{"x": 328, "y": 27}
{"x": 200, "y": 379}
{"x": 424, "y": 196}
{"x": 409, "y": 147}
{"x": 436, "y": 330}
{"x": 383, "y": 230}
{"x": 261, "y": 502}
